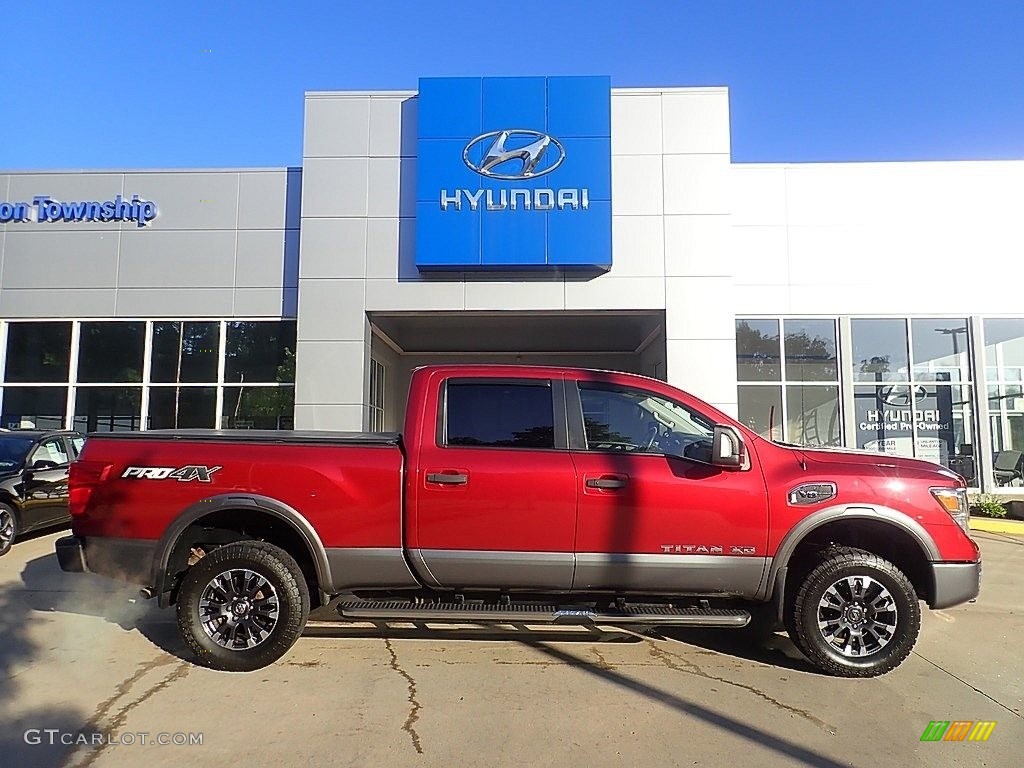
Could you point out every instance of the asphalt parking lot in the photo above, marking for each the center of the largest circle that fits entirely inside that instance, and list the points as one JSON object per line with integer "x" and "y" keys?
{"x": 80, "y": 661}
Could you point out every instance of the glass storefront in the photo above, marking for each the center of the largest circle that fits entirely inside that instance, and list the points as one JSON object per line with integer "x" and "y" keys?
{"x": 907, "y": 388}
{"x": 130, "y": 375}
{"x": 1004, "y": 379}
{"x": 920, "y": 400}
{"x": 789, "y": 379}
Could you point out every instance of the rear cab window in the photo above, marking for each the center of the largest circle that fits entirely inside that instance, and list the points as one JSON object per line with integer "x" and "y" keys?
{"x": 498, "y": 413}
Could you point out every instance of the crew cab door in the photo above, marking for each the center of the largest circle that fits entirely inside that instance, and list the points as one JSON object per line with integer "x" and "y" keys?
{"x": 44, "y": 485}
{"x": 654, "y": 515}
{"x": 494, "y": 496}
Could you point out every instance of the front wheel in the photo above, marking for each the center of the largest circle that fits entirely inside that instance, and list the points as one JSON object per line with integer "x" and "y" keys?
{"x": 242, "y": 606}
{"x": 855, "y": 614}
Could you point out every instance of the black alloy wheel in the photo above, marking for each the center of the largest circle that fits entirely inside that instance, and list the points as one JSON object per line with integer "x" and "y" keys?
{"x": 242, "y": 606}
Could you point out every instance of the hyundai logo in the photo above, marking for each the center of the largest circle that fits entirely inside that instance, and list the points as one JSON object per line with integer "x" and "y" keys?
{"x": 899, "y": 395}
{"x": 515, "y": 154}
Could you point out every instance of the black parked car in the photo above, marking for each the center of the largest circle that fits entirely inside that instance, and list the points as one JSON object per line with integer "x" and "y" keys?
{"x": 34, "y": 480}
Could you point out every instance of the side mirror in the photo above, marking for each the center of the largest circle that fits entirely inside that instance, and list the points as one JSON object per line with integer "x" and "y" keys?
{"x": 39, "y": 464}
{"x": 728, "y": 449}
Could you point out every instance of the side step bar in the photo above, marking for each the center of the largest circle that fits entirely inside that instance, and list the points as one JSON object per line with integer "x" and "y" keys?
{"x": 659, "y": 615}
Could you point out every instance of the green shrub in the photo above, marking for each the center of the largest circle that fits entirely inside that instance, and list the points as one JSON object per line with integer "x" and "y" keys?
{"x": 987, "y": 505}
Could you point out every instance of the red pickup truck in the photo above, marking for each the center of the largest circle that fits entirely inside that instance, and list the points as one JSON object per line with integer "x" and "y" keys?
{"x": 526, "y": 494}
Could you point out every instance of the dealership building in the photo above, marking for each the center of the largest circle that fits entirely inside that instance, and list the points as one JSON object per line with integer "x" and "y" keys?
{"x": 553, "y": 221}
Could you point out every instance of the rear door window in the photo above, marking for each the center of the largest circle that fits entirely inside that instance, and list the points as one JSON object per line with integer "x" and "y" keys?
{"x": 77, "y": 444}
{"x": 499, "y": 414}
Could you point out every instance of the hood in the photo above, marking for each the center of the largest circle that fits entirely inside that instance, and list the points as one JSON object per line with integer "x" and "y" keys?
{"x": 883, "y": 463}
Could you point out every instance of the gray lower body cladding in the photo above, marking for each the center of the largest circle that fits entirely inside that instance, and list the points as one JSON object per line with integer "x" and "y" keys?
{"x": 386, "y": 568}
{"x": 652, "y": 574}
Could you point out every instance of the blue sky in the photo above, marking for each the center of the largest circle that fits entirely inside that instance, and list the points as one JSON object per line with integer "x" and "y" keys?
{"x": 220, "y": 83}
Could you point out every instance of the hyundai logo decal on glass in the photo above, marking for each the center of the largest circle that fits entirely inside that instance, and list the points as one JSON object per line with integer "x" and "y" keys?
{"x": 525, "y": 158}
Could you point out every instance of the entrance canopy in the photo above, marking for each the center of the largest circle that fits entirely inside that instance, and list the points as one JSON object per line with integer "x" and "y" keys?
{"x": 632, "y": 341}
{"x": 525, "y": 333}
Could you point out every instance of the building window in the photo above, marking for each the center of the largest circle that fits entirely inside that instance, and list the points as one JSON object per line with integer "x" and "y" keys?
{"x": 258, "y": 408}
{"x": 788, "y": 372}
{"x": 757, "y": 350}
{"x": 38, "y": 352}
{"x": 259, "y": 352}
{"x": 129, "y": 374}
{"x": 110, "y": 352}
{"x": 880, "y": 350}
{"x": 107, "y": 409}
{"x": 185, "y": 352}
{"x": 34, "y": 407}
{"x": 909, "y": 379}
{"x": 920, "y": 403}
{"x": 377, "y": 383}
{"x": 1004, "y": 378}
{"x": 182, "y": 408}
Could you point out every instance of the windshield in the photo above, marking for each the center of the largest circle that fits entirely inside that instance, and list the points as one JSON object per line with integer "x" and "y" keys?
{"x": 13, "y": 451}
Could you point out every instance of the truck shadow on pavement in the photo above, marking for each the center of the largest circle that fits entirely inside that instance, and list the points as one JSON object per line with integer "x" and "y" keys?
{"x": 775, "y": 650}
{"x": 48, "y": 589}
{"x": 24, "y": 741}
{"x": 780, "y": 746}
{"x": 45, "y": 590}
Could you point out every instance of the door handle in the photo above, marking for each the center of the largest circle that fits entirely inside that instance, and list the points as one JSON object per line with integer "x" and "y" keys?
{"x": 447, "y": 478}
{"x": 606, "y": 483}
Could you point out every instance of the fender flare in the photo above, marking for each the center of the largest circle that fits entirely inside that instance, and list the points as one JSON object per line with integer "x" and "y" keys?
{"x": 292, "y": 517}
{"x": 779, "y": 563}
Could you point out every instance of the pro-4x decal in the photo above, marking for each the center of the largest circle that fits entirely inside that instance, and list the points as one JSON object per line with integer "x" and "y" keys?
{"x": 181, "y": 474}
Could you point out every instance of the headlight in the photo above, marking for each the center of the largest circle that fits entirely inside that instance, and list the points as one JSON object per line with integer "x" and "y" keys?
{"x": 954, "y": 501}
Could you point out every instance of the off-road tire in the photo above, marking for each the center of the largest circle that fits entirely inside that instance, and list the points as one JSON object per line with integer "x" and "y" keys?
{"x": 280, "y": 571}
{"x": 837, "y": 563}
{"x": 6, "y": 513}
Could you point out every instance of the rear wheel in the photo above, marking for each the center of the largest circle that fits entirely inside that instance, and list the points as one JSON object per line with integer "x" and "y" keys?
{"x": 242, "y": 606}
{"x": 8, "y": 529}
{"x": 855, "y": 614}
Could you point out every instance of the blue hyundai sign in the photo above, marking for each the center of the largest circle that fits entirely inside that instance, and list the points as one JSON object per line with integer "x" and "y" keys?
{"x": 514, "y": 172}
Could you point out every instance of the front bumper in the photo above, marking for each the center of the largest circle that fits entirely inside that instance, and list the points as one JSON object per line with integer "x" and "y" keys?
{"x": 955, "y": 583}
{"x": 129, "y": 560}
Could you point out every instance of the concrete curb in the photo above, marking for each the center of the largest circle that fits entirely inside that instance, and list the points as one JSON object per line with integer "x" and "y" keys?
{"x": 996, "y": 525}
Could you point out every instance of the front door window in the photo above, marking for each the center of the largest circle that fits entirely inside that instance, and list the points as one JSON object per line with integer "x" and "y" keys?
{"x": 624, "y": 420}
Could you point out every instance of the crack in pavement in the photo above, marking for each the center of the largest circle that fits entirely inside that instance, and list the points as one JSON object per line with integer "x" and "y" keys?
{"x": 119, "y": 718}
{"x": 602, "y": 662}
{"x": 666, "y": 658}
{"x": 415, "y": 707}
{"x": 972, "y": 687}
